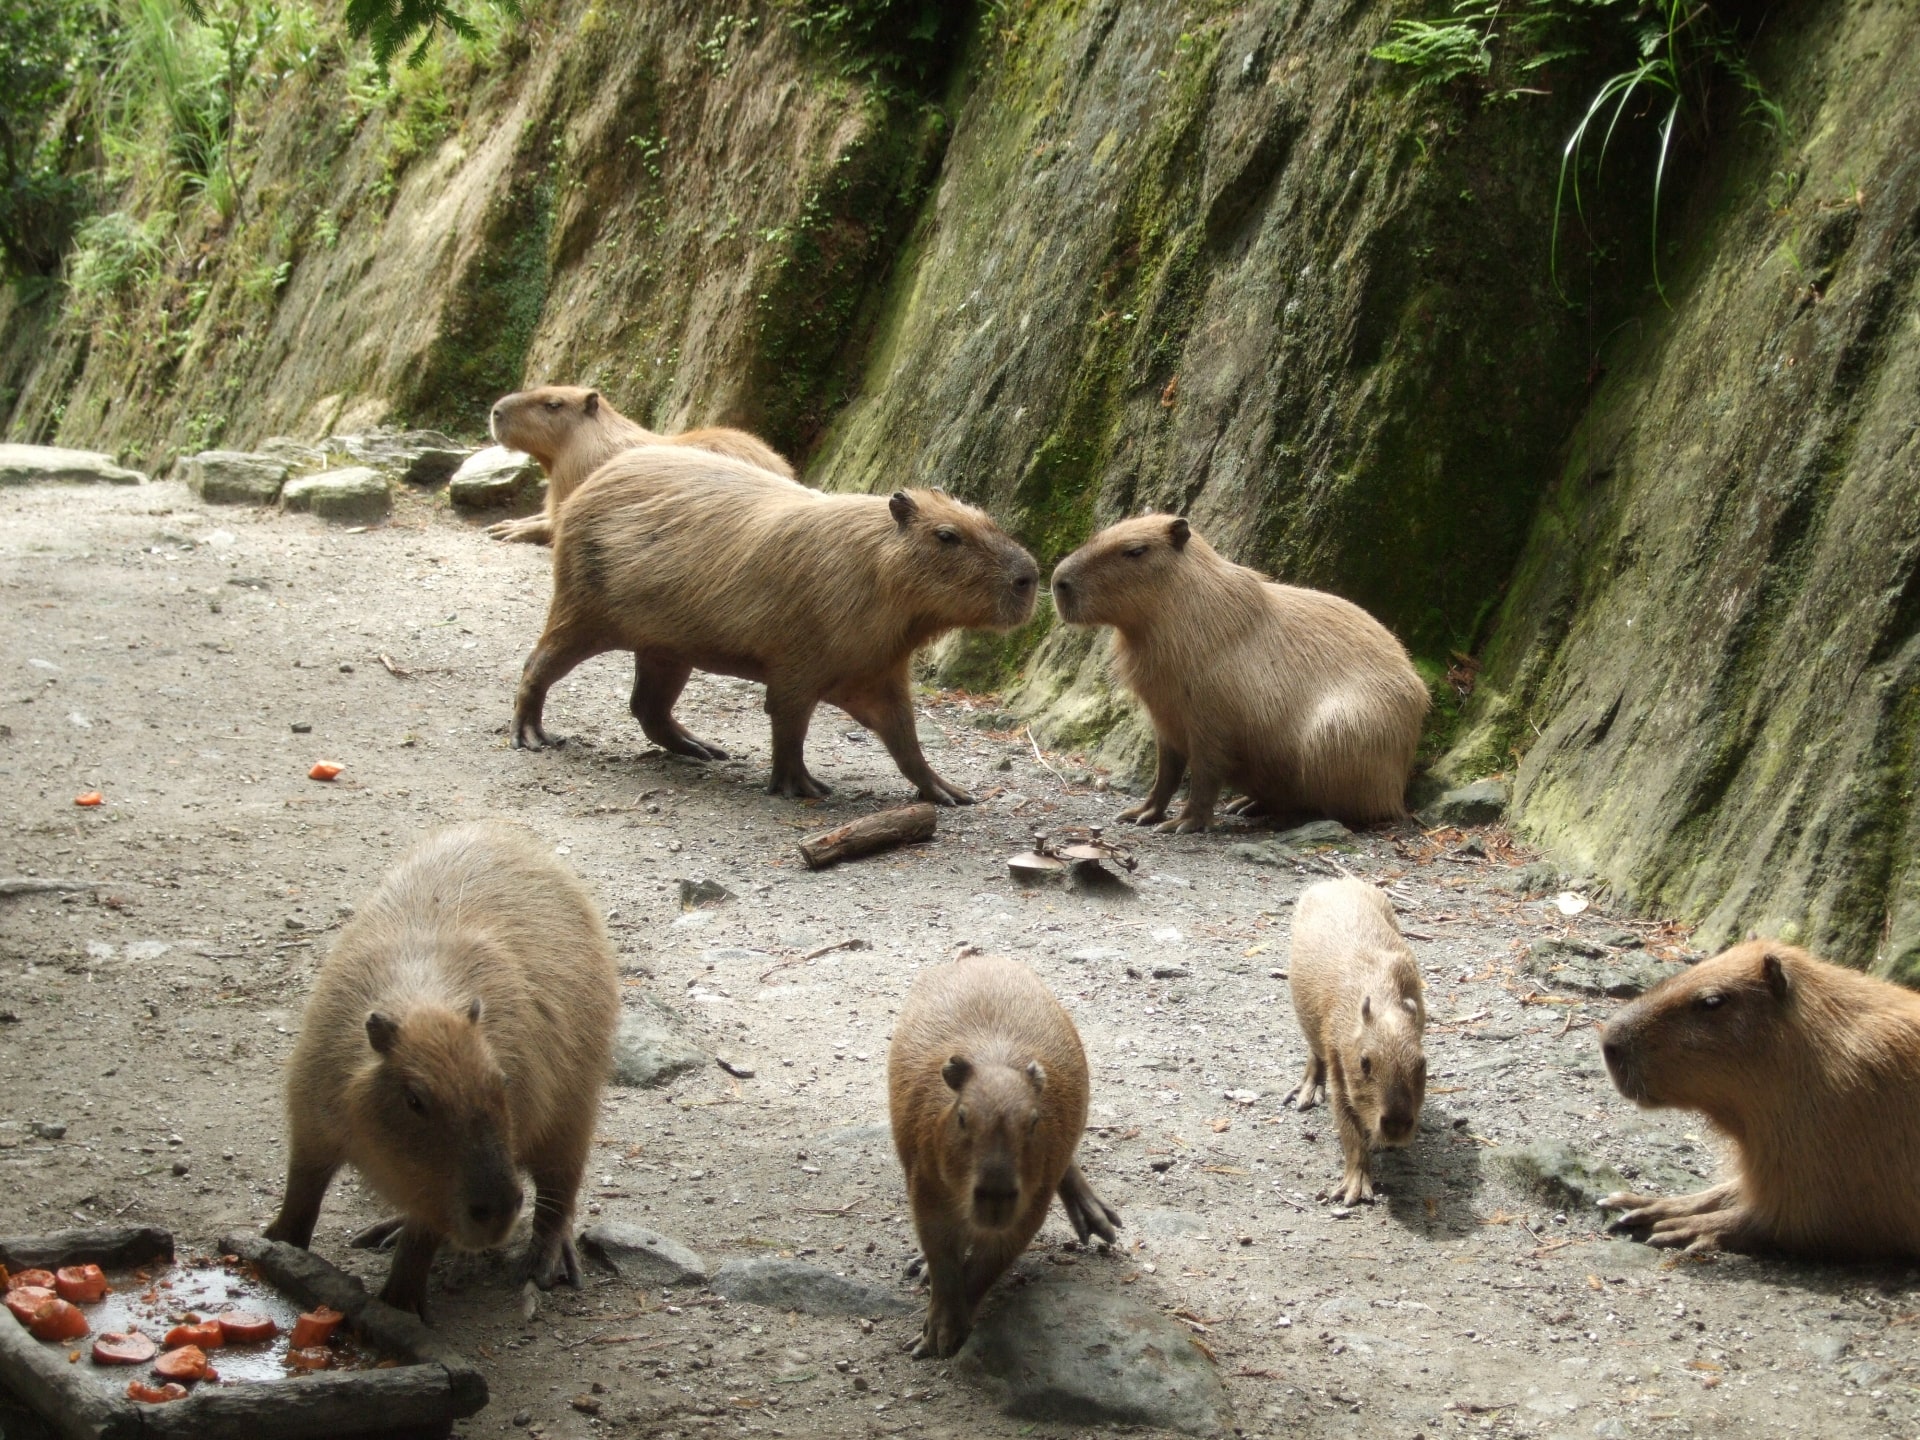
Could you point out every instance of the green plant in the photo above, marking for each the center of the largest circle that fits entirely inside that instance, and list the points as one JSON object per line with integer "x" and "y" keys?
{"x": 47, "y": 47}
{"x": 112, "y": 255}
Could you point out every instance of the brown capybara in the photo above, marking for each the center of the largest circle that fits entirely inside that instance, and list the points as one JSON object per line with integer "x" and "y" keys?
{"x": 1297, "y": 697}
{"x": 1812, "y": 1072}
{"x": 573, "y": 431}
{"x": 1357, "y": 991}
{"x": 694, "y": 561}
{"x": 458, "y": 1033}
{"x": 987, "y": 1093}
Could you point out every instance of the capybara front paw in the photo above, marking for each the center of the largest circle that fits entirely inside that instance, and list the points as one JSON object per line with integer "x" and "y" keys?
{"x": 529, "y": 735}
{"x": 1086, "y": 1211}
{"x": 943, "y": 793}
{"x": 379, "y": 1236}
{"x": 1145, "y": 813}
{"x": 552, "y": 1260}
{"x": 798, "y": 787}
{"x": 940, "y": 1337}
{"x": 1303, "y": 1095}
{"x": 1357, "y": 1189}
{"x": 1183, "y": 825}
{"x": 405, "y": 1295}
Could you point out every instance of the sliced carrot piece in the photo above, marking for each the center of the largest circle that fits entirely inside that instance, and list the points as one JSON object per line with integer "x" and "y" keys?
{"x": 189, "y": 1362}
{"x": 81, "y": 1284}
{"x": 56, "y": 1319}
{"x": 132, "y": 1348}
{"x": 243, "y": 1328}
{"x": 155, "y": 1394}
{"x": 90, "y": 799}
{"x": 34, "y": 1279}
{"x": 204, "y": 1333}
{"x": 311, "y": 1357}
{"x": 322, "y": 770}
{"x": 316, "y": 1327}
{"x": 24, "y": 1300}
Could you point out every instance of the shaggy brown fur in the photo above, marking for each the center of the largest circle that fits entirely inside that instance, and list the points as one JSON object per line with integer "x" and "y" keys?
{"x": 987, "y": 1092}
{"x": 572, "y": 432}
{"x": 459, "y": 1032}
{"x": 1812, "y": 1072}
{"x": 1357, "y": 991}
{"x": 1299, "y": 698}
{"x": 695, "y": 561}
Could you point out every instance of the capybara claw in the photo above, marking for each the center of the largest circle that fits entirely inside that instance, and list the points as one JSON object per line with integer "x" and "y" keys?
{"x": 916, "y": 1266}
{"x": 1147, "y": 814}
{"x": 380, "y": 1236}
{"x": 1184, "y": 825}
{"x": 561, "y": 1262}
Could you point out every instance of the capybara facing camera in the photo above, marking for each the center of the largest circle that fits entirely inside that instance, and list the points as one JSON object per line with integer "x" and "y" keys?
{"x": 459, "y": 1032}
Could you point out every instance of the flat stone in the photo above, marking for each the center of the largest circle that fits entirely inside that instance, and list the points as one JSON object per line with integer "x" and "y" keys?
{"x": 810, "y": 1289}
{"x": 1561, "y": 1174}
{"x": 1166, "y": 1224}
{"x": 1314, "y": 833}
{"x": 490, "y": 478}
{"x": 296, "y": 453}
{"x": 702, "y": 894}
{"x": 1481, "y": 803}
{"x": 355, "y": 496}
{"x": 235, "y": 477}
{"x": 633, "y": 1252}
{"x": 1061, "y": 1350}
{"x": 1591, "y": 969}
{"x": 646, "y": 1054}
{"x": 50, "y": 464}
{"x": 419, "y": 457}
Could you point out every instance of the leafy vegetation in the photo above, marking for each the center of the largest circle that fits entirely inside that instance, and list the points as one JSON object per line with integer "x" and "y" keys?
{"x": 47, "y": 49}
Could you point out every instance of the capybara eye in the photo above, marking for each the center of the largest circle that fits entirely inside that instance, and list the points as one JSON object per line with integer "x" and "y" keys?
{"x": 414, "y": 1102}
{"x": 1711, "y": 1001}
{"x": 1134, "y": 552}
{"x": 555, "y": 404}
{"x": 948, "y": 535}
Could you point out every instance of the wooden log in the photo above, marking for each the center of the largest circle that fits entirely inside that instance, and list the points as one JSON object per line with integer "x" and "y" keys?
{"x": 884, "y": 831}
{"x": 113, "y": 1249}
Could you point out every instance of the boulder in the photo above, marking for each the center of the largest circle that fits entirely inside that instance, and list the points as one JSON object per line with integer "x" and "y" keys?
{"x": 355, "y": 496}
{"x": 646, "y": 1054}
{"x": 48, "y": 464}
{"x": 491, "y": 478}
{"x": 635, "y": 1253}
{"x": 1480, "y": 803}
{"x": 235, "y": 477}
{"x": 296, "y": 453}
{"x": 810, "y": 1289}
{"x": 1590, "y": 968}
{"x": 1560, "y": 1174}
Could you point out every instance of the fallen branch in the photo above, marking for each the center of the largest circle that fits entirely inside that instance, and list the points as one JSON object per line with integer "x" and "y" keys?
{"x": 885, "y": 831}
{"x": 33, "y": 885}
{"x": 1041, "y": 758}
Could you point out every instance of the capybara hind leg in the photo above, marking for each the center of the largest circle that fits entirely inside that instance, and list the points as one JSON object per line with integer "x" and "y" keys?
{"x": 550, "y": 661}
{"x": 1169, "y": 766}
{"x": 1644, "y": 1210}
{"x": 889, "y": 715}
{"x": 1312, "y": 1086}
{"x": 1732, "y": 1227}
{"x": 550, "y": 1253}
{"x": 406, "y": 1287}
{"x": 1203, "y": 793}
{"x": 381, "y": 1235}
{"x": 656, "y": 685}
{"x": 1086, "y": 1211}
{"x": 307, "y": 1183}
{"x": 532, "y": 530}
{"x": 791, "y": 715}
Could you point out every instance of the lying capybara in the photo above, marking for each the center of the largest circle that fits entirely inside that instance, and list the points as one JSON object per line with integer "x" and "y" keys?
{"x": 1812, "y": 1072}
{"x": 1357, "y": 991}
{"x": 573, "y": 431}
{"x": 694, "y": 561}
{"x": 1296, "y": 696}
{"x": 459, "y": 1033}
{"x": 987, "y": 1093}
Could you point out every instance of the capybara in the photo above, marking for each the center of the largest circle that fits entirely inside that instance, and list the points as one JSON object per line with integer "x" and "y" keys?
{"x": 694, "y": 561}
{"x": 1296, "y": 696}
{"x": 987, "y": 1092}
{"x": 1812, "y": 1072}
{"x": 458, "y": 1033}
{"x": 1357, "y": 991}
{"x": 573, "y": 431}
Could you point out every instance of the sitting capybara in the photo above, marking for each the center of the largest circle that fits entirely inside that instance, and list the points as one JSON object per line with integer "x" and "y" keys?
{"x": 459, "y": 1033}
{"x": 573, "y": 431}
{"x": 694, "y": 561}
{"x": 1357, "y": 991}
{"x": 1298, "y": 697}
{"x": 987, "y": 1093}
{"x": 1812, "y": 1072}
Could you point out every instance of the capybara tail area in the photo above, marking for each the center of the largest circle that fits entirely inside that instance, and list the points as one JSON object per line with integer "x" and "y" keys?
{"x": 1355, "y": 760}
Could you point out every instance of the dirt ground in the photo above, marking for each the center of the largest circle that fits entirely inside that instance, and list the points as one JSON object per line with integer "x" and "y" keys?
{"x": 162, "y": 652}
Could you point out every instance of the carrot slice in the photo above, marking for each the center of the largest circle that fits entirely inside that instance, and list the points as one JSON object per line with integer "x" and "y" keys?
{"x": 132, "y": 1348}
{"x": 81, "y": 1284}
{"x": 205, "y": 1333}
{"x": 90, "y": 799}
{"x": 35, "y": 1279}
{"x": 243, "y": 1328}
{"x": 189, "y": 1362}
{"x": 155, "y": 1394}
{"x": 323, "y": 770}
{"x": 23, "y": 1300}
{"x": 316, "y": 1327}
{"x": 312, "y": 1357}
{"x": 58, "y": 1320}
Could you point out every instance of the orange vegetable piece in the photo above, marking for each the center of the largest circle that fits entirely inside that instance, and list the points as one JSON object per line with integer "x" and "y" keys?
{"x": 316, "y": 1327}
{"x": 323, "y": 770}
{"x": 204, "y": 1333}
{"x": 90, "y": 799}
{"x": 189, "y": 1362}
{"x": 312, "y": 1357}
{"x": 132, "y": 1348}
{"x": 24, "y": 1300}
{"x": 58, "y": 1320}
{"x": 243, "y": 1328}
{"x": 155, "y": 1394}
{"x": 81, "y": 1284}
{"x": 34, "y": 1279}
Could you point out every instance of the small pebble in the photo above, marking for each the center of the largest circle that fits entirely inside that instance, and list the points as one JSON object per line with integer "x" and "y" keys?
{"x": 345, "y": 668}
{"x": 522, "y": 1418}
{"x": 180, "y": 1167}
{"x": 586, "y": 1404}
{"x": 860, "y": 1382}
{"x": 301, "y": 727}
{"x": 50, "y": 1129}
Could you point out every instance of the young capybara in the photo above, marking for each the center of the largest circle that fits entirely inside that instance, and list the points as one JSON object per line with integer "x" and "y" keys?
{"x": 459, "y": 1033}
{"x": 573, "y": 431}
{"x": 1812, "y": 1072}
{"x": 987, "y": 1093}
{"x": 694, "y": 561}
{"x": 1357, "y": 991}
{"x": 1296, "y": 696}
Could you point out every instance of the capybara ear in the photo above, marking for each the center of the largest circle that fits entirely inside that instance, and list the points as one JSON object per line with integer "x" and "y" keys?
{"x": 903, "y": 508}
{"x": 1036, "y": 1076}
{"x": 1179, "y": 532}
{"x": 592, "y": 403}
{"x": 473, "y": 1011}
{"x": 1775, "y": 974}
{"x": 956, "y": 1072}
{"x": 383, "y": 1032}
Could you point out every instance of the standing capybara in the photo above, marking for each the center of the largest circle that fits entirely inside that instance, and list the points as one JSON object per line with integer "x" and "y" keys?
{"x": 1357, "y": 991}
{"x": 1298, "y": 697}
{"x": 695, "y": 561}
{"x": 573, "y": 431}
{"x": 459, "y": 1033}
{"x": 1812, "y": 1072}
{"x": 987, "y": 1092}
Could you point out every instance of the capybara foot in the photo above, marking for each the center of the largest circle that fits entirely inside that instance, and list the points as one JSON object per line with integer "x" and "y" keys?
{"x": 551, "y": 1260}
{"x": 1087, "y": 1212}
{"x": 695, "y": 749}
{"x": 285, "y": 1233}
{"x": 1356, "y": 1188}
{"x": 798, "y": 786}
{"x": 943, "y": 1333}
{"x": 1183, "y": 825}
{"x": 1304, "y": 1095}
{"x": 1246, "y": 807}
{"x": 533, "y": 530}
{"x": 1644, "y": 1211}
{"x": 405, "y": 1295}
{"x": 1729, "y": 1229}
{"x": 530, "y": 735}
{"x": 1145, "y": 813}
{"x": 379, "y": 1236}
{"x": 942, "y": 792}
{"x": 917, "y": 1266}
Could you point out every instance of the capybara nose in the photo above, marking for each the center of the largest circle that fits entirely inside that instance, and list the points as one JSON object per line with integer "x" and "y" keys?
{"x": 1613, "y": 1052}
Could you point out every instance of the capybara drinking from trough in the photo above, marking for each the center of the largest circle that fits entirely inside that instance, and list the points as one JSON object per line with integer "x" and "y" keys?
{"x": 459, "y": 1032}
